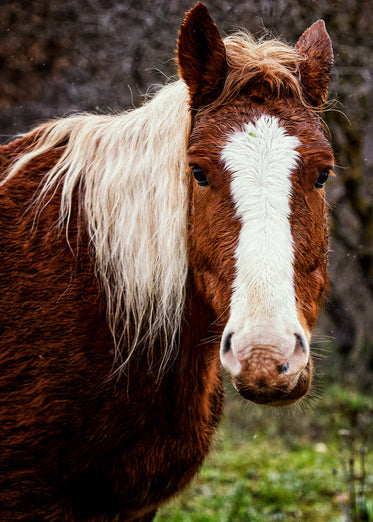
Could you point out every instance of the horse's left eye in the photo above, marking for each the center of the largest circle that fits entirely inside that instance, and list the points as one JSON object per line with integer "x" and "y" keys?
{"x": 200, "y": 177}
{"x": 322, "y": 179}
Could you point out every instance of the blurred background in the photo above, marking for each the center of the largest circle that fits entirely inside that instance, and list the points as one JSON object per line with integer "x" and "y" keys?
{"x": 62, "y": 56}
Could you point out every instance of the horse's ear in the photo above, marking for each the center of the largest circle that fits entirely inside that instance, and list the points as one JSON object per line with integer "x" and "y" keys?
{"x": 315, "y": 50}
{"x": 201, "y": 56}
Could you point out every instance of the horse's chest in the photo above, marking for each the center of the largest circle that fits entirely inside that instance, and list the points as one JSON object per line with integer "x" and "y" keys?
{"x": 175, "y": 438}
{"x": 152, "y": 450}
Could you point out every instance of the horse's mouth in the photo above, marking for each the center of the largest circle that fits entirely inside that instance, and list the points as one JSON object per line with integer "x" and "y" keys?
{"x": 281, "y": 395}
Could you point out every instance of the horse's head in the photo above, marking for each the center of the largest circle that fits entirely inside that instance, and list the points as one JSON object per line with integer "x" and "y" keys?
{"x": 258, "y": 235}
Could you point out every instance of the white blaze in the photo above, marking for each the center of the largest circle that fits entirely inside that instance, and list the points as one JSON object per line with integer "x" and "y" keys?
{"x": 261, "y": 158}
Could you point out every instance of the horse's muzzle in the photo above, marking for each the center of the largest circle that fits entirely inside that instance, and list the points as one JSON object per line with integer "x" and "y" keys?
{"x": 265, "y": 368}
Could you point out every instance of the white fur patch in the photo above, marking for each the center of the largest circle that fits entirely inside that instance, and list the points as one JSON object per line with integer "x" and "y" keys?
{"x": 261, "y": 159}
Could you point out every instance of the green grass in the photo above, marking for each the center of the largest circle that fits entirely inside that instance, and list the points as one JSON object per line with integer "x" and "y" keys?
{"x": 284, "y": 467}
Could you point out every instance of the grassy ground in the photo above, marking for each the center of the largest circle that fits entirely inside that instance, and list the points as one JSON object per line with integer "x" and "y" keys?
{"x": 313, "y": 465}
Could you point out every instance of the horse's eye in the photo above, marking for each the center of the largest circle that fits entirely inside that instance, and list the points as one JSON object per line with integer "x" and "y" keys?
{"x": 321, "y": 180}
{"x": 200, "y": 176}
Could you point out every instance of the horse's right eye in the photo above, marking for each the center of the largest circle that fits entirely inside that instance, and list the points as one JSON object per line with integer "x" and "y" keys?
{"x": 199, "y": 176}
{"x": 322, "y": 179}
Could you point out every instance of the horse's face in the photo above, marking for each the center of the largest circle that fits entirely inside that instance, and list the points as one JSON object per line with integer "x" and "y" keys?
{"x": 258, "y": 235}
{"x": 258, "y": 240}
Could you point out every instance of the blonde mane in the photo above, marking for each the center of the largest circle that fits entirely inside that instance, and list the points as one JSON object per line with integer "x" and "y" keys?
{"x": 133, "y": 171}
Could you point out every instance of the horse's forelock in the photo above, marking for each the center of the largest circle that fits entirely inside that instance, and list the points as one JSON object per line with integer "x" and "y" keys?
{"x": 271, "y": 64}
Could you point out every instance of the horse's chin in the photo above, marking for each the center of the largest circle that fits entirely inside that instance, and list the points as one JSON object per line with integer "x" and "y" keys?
{"x": 275, "y": 396}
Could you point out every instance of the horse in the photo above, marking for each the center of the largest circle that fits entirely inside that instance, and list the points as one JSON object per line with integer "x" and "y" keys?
{"x": 142, "y": 253}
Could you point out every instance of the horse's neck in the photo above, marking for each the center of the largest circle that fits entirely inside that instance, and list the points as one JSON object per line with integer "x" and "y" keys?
{"x": 194, "y": 370}
{"x": 198, "y": 367}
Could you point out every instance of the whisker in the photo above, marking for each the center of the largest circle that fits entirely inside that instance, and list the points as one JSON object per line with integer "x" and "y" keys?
{"x": 209, "y": 340}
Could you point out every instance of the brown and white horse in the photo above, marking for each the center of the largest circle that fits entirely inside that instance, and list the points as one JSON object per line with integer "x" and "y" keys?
{"x": 128, "y": 243}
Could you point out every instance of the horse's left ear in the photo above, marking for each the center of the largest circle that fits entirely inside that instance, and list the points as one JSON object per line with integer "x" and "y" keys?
{"x": 201, "y": 56}
{"x": 315, "y": 50}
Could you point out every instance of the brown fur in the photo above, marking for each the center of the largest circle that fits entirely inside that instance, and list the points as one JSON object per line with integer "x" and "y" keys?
{"x": 76, "y": 443}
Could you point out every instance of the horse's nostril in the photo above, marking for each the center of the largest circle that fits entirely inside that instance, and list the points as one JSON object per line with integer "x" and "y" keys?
{"x": 300, "y": 340}
{"x": 227, "y": 343}
{"x": 283, "y": 368}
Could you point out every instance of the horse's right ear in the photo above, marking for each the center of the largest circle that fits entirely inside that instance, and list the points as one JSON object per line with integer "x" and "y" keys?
{"x": 201, "y": 57}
